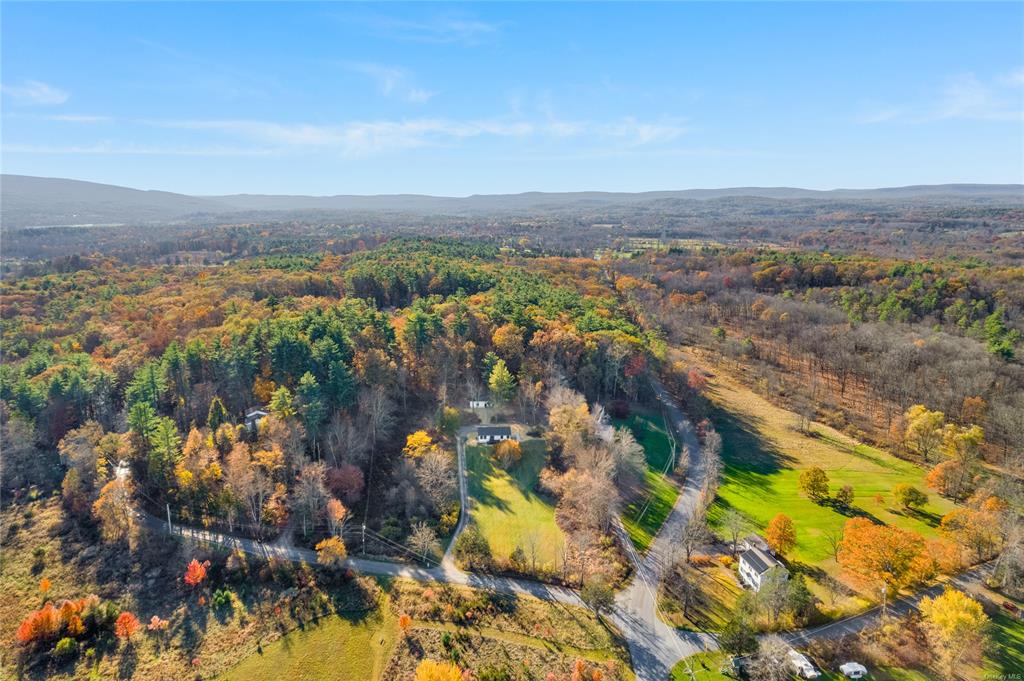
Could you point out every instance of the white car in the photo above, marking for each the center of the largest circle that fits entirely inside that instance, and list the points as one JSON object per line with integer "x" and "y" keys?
{"x": 853, "y": 670}
{"x": 802, "y": 666}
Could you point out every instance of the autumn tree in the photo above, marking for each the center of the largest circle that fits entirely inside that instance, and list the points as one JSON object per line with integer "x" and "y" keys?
{"x": 195, "y": 572}
{"x": 125, "y": 626}
{"x": 880, "y": 554}
{"x": 417, "y": 444}
{"x": 844, "y": 496}
{"x": 924, "y": 430}
{"x": 814, "y": 483}
{"x": 781, "y": 534}
{"x": 508, "y": 453}
{"x": 336, "y": 516}
{"x": 113, "y": 510}
{"x": 974, "y": 529}
{"x": 957, "y": 626}
{"x": 331, "y": 553}
{"x": 429, "y": 670}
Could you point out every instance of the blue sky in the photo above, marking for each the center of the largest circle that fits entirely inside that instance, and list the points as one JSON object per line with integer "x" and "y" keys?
{"x": 491, "y": 98}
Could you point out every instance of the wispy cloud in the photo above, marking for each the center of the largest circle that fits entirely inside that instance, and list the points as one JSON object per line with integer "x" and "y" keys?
{"x": 36, "y": 92}
{"x": 362, "y": 138}
{"x": 967, "y": 96}
{"x": 391, "y": 81}
{"x": 117, "y": 149}
{"x": 962, "y": 97}
{"x": 79, "y": 118}
{"x": 442, "y": 29}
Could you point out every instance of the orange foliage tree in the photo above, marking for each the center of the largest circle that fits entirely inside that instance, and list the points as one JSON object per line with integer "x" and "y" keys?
{"x": 126, "y": 625}
{"x": 781, "y": 534}
{"x": 195, "y": 573}
{"x": 882, "y": 554}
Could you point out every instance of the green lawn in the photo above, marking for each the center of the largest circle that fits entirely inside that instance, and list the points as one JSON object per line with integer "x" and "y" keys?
{"x": 334, "y": 648}
{"x": 764, "y": 454}
{"x": 651, "y": 504}
{"x": 507, "y": 509}
{"x": 1005, "y": 656}
{"x": 705, "y": 667}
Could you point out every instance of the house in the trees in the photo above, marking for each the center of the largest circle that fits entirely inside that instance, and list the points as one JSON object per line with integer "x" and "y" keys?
{"x": 254, "y": 417}
{"x": 479, "y": 404}
{"x": 755, "y": 565}
{"x": 488, "y": 435}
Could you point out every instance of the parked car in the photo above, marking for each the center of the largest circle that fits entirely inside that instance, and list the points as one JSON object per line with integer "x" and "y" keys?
{"x": 853, "y": 670}
{"x": 802, "y": 665}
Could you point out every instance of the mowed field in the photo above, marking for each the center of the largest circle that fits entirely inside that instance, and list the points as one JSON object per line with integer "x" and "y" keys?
{"x": 333, "y": 648}
{"x": 506, "y": 507}
{"x": 764, "y": 454}
{"x": 651, "y": 504}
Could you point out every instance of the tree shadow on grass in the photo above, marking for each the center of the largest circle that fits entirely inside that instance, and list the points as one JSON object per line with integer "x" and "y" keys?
{"x": 749, "y": 458}
{"x": 128, "y": 662}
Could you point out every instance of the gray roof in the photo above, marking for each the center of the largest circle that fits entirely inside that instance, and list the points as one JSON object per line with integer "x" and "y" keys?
{"x": 760, "y": 561}
{"x": 494, "y": 431}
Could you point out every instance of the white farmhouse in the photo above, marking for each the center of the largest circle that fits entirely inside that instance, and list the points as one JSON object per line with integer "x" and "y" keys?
{"x": 755, "y": 564}
{"x": 488, "y": 435}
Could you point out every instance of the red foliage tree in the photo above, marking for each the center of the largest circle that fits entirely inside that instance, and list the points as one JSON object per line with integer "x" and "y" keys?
{"x": 126, "y": 625}
{"x": 39, "y": 626}
{"x": 195, "y": 573}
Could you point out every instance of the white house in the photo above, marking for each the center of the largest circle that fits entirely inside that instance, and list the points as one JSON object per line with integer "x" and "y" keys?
{"x": 254, "y": 417}
{"x": 755, "y": 564}
{"x": 802, "y": 666}
{"x": 755, "y": 541}
{"x": 479, "y": 404}
{"x": 488, "y": 435}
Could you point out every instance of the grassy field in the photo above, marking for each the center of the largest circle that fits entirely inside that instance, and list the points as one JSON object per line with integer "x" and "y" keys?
{"x": 334, "y": 648}
{"x": 643, "y": 515}
{"x": 764, "y": 454}
{"x": 506, "y": 508}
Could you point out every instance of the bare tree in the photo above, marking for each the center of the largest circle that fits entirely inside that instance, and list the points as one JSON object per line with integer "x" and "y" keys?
{"x": 310, "y": 495}
{"x": 735, "y": 523}
{"x": 423, "y": 541}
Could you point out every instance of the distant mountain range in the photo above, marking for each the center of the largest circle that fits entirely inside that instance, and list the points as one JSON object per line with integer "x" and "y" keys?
{"x": 27, "y": 201}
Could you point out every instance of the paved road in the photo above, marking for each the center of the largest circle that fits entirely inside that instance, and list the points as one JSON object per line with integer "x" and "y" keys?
{"x": 655, "y": 646}
{"x": 965, "y": 581}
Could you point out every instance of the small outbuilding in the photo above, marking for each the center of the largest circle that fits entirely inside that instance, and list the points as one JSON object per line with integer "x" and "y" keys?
{"x": 254, "y": 417}
{"x": 755, "y": 565}
{"x": 479, "y": 404}
{"x": 488, "y": 435}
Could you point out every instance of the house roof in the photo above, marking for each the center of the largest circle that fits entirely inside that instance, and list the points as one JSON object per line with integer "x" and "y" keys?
{"x": 758, "y": 560}
{"x": 494, "y": 431}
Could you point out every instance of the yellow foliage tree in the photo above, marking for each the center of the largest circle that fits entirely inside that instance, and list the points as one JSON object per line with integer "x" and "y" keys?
{"x": 331, "y": 552}
{"x": 956, "y": 626}
{"x": 429, "y": 670}
{"x": 417, "y": 444}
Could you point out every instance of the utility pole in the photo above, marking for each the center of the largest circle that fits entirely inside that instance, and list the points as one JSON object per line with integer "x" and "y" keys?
{"x": 169, "y": 527}
{"x": 364, "y": 539}
{"x": 884, "y": 591}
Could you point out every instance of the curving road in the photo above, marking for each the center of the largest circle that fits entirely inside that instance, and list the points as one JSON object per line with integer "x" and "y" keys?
{"x": 654, "y": 646}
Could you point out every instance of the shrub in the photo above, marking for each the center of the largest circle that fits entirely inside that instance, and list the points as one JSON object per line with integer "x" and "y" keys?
{"x": 472, "y": 549}
{"x": 726, "y": 561}
{"x": 65, "y": 648}
{"x": 221, "y": 598}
